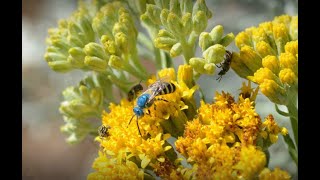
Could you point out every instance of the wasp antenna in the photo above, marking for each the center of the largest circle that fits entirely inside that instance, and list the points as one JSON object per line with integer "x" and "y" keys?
{"x": 130, "y": 121}
{"x": 138, "y": 126}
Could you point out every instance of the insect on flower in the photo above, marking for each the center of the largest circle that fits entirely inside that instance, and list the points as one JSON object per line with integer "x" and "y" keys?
{"x": 147, "y": 98}
{"x": 104, "y": 131}
{"x": 134, "y": 91}
{"x": 225, "y": 65}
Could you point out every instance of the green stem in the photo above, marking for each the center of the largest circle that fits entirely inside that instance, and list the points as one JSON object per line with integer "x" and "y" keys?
{"x": 158, "y": 58}
{"x": 187, "y": 49}
{"x": 293, "y": 111}
{"x": 146, "y": 41}
{"x": 291, "y": 148}
{"x": 136, "y": 62}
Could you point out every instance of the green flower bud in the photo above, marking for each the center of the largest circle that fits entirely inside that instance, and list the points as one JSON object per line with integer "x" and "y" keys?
{"x": 201, "y": 66}
{"x": 164, "y": 16}
{"x": 76, "y": 36}
{"x": 187, "y": 23}
{"x": 53, "y": 56}
{"x": 163, "y": 4}
{"x": 76, "y": 57}
{"x": 176, "y": 50}
{"x": 122, "y": 42}
{"x": 95, "y": 63}
{"x": 82, "y": 102}
{"x": 76, "y": 129}
{"x": 119, "y": 27}
{"x": 165, "y": 33}
{"x": 226, "y": 40}
{"x": 200, "y": 22}
{"x": 175, "y": 7}
{"x": 109, "y": 44}
{"x": 214, "y": 54}
{"x": 239, "y": 67}
{"x": 205, "y": 41}
{"x": 200, "y": 5}
{"x": 146, "y": 20}
{"x": 250, "y": 58}
{"x": 198, "y": 64}
{"x": 164, "y": 43}
{"x": 94, "y": 49}
{"x": 77, "y": 53}
{"x": 186, "y": 6}
{"x": 153, "y": 12}
{"x": 216, "y": 34}
{"x": 175, "y": 24}
{"x": 60, "y": 66}
{"x": 294, "y": 28}
{"x": 209, "y": 68}
{"x": 116, "y": 62}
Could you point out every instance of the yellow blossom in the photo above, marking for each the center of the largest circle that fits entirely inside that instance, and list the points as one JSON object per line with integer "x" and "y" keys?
{"x": 276, "y": 174}
{"x": 114, "y": 168}
{"x": 273, "y": 91}
{"x": 267, "y": 50}
{"x": 288, "y": 60}
{"x": 221, "y": 141}
{"x": 287, "y": 76}
{"x": 252, "y": 161}
{"x": 272, "y": 129}
{"x": 272, "y": 63}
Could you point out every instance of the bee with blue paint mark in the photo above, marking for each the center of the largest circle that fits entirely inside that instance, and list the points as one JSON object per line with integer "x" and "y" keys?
{"x": 146, "y": 99}
{"x": 134, "y": 91}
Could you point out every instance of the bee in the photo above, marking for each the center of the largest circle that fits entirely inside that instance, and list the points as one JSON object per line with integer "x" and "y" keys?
{"x": 146, "y": 99}
{"x": 134, "y": 91}
{"x": 225, "y": 65}
{"x": 104, "y": 131}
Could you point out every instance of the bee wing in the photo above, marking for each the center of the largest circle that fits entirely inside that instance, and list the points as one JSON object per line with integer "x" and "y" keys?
{"x": 154, "y": 89}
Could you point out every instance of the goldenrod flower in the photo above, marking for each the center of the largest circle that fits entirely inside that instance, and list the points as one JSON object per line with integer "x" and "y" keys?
{"x": 115, "y": 168}
{"x": 270, "y": 127}
{"x": 222, "y": 141}
{"x": 276, "y": 174}
{"x": 269, "y": 57}
{"x": 165, "y": 119}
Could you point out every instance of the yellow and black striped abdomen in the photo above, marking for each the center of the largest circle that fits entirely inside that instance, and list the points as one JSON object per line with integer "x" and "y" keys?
{"x": 168, "y": 88}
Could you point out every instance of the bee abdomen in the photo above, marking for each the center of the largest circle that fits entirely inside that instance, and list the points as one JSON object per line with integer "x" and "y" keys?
{"x": 169, "y": 88}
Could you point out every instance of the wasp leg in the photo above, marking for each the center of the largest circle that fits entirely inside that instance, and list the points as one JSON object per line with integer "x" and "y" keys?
{"x": 138, "y": 126}
{"x": 219, "y": 78}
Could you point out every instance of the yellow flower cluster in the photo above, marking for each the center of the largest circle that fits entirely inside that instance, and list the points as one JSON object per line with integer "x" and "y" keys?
{"x": 165, "y": 119}
{"x": 269, "y": 56}
{"x": 221, "y": 143}
{"x": 115, "y": 168}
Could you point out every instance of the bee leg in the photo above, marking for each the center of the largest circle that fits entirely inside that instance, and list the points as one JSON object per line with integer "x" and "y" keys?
{"x": 148, "y": 112}
{"x": 138, "y": 126}
{"x": 160, "y": 99}
{"x": 219, "y": 65}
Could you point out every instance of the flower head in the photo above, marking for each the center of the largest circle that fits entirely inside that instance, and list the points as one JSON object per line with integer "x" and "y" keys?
{"x": 269, "y": 52}
{"x": 166, "y": 117}
{"x": 222, "y": 141}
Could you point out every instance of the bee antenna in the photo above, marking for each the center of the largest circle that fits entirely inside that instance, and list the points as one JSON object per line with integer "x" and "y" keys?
{"x": 140, "y": 81}
{"x": 138, "y": 127}
{"x": 130, "y": 121}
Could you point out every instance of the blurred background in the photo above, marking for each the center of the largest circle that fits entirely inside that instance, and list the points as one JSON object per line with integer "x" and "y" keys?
{"x": 45, "y": 154}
